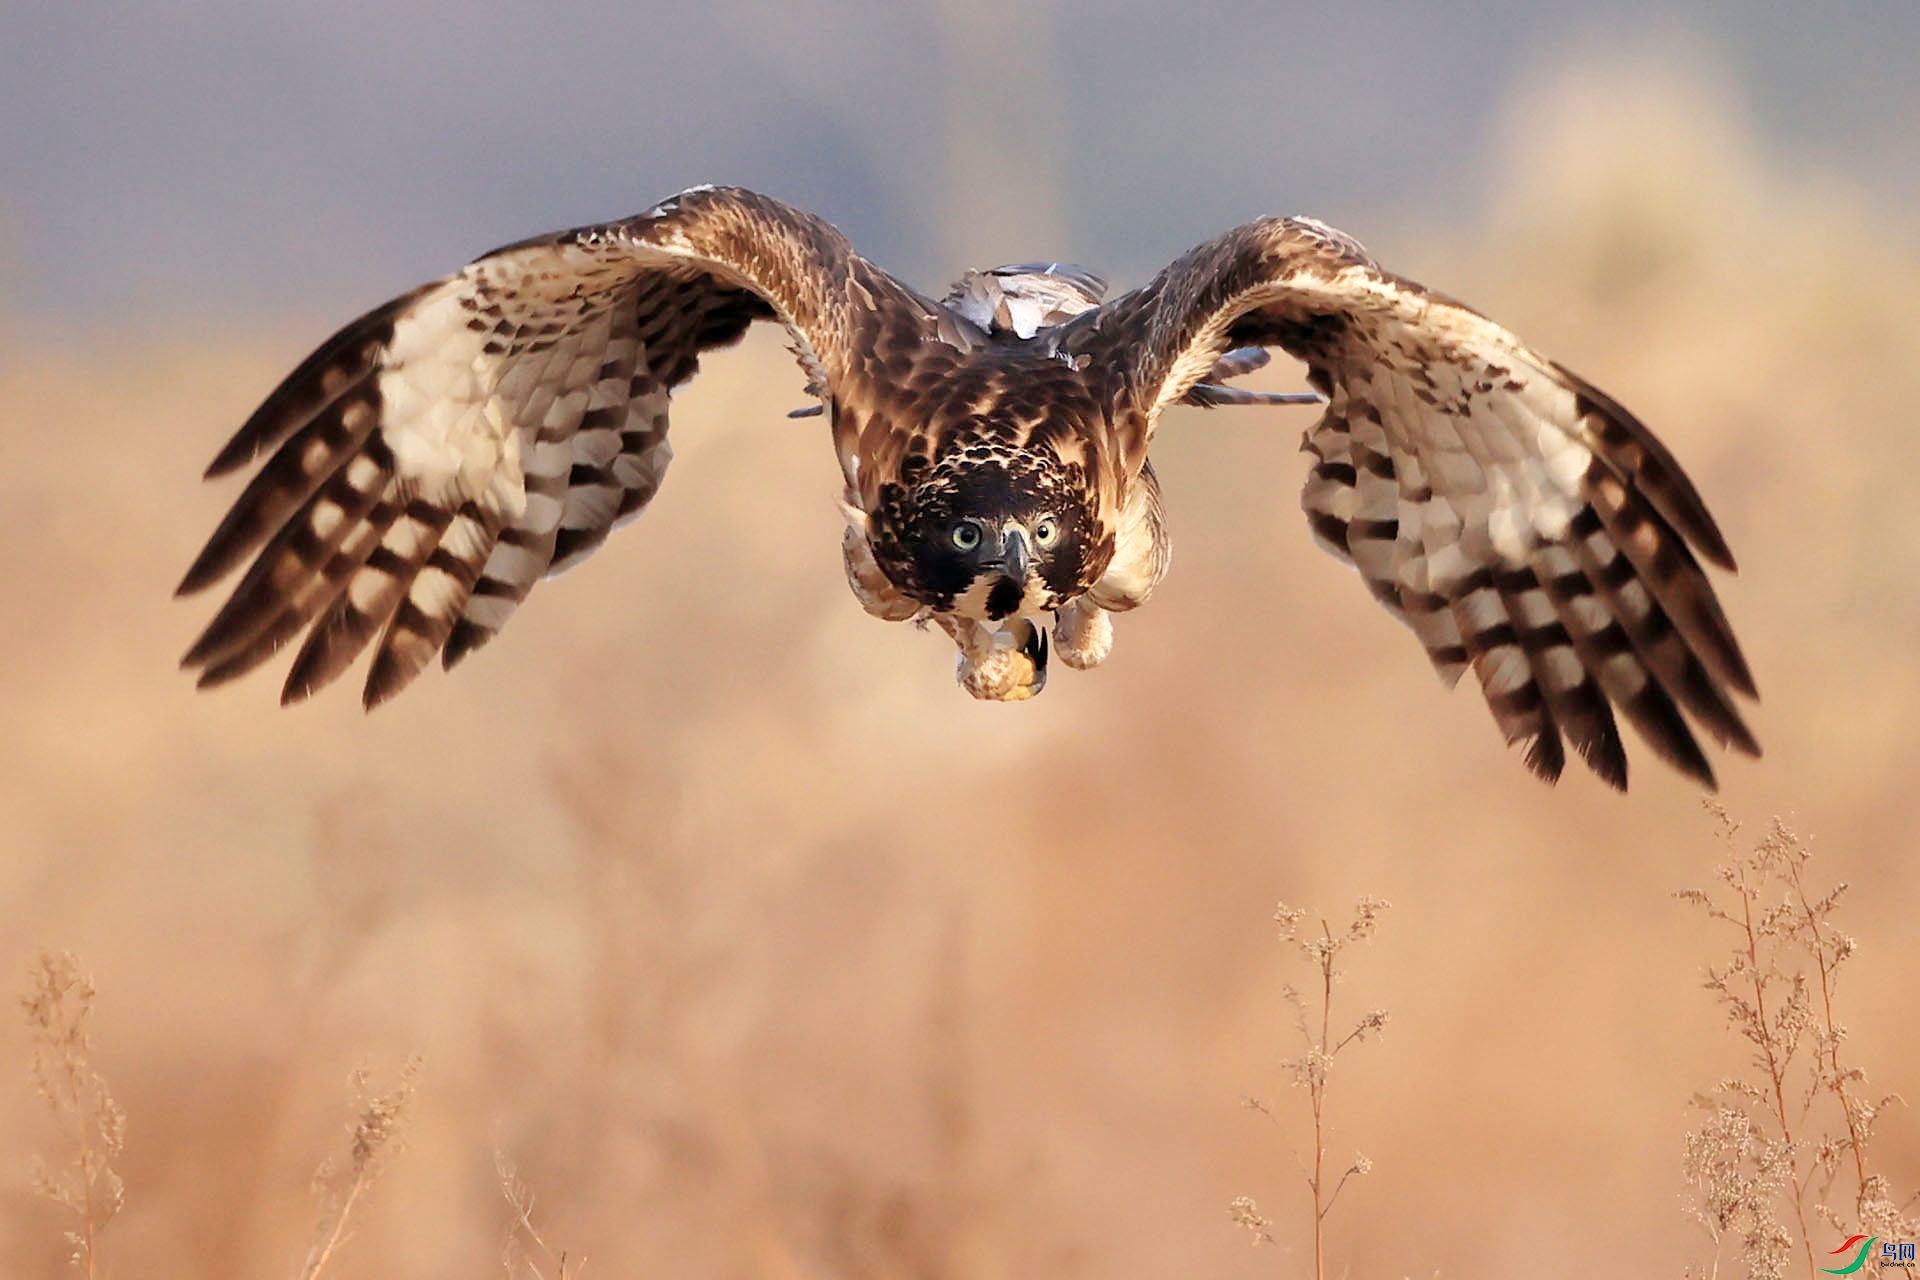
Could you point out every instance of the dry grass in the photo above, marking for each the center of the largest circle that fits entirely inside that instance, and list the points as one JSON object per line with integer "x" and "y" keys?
{"x": 524, "y": 1253}
{"x": 374, "y": 1139}
{"x": 767, "y": 953}
{"x": 1313, "y": 1069}
{"x": 59, "y": 1008}
{"x": 1793, "y": 1135}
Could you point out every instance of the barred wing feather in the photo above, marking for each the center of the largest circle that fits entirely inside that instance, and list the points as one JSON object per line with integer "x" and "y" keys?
{"x": 1522, "y": 523}
{"x": 437, "y": 457}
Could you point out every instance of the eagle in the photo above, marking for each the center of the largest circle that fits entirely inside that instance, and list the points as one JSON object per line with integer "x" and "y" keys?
{"x": 438, "y": 456}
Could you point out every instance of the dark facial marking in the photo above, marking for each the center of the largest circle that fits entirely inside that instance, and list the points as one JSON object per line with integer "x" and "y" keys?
{"x": 1004, "y": 598}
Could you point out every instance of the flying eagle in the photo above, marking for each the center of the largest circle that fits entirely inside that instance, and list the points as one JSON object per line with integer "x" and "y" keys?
{"x": 441, "y": 454}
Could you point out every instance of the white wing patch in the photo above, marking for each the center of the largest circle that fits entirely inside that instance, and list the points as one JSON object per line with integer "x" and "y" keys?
{"x": 1517, "y": 522}
{"x": 502, "y": 422}
{"x": 451, "y": 436}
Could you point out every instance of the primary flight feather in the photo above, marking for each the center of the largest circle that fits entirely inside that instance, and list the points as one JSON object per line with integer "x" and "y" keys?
{"x": 440, "y": 455}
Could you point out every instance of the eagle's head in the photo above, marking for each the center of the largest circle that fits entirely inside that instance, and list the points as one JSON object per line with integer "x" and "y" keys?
{"x": 993, "y": 533}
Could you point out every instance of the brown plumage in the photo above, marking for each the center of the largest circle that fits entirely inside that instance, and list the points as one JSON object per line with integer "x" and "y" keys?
{"x": 438, "y": 456}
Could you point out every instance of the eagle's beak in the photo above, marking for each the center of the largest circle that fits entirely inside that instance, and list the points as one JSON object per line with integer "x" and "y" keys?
{"x": 1015, "y": 557}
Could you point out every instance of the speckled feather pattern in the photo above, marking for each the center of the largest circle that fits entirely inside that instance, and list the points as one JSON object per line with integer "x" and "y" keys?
{"x": 430, "y": 463}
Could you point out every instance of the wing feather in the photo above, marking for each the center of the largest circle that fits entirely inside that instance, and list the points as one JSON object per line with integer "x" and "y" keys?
{"x": 375, "y": 589}
{"x": 435, "y": 458}
{"x": 1520, "y": 521}
{"x": 311, "y": 452}
{"x": 290, "y": 578}
{"x": 434, "y": 599}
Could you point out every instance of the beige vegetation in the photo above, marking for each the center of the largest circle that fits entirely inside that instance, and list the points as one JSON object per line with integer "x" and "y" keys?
{"x": 1788, "y": 1142}
{"x": 756, "y": 948}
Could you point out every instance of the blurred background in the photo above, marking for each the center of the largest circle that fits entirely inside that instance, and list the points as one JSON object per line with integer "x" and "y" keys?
{"x": 759, "y": 947}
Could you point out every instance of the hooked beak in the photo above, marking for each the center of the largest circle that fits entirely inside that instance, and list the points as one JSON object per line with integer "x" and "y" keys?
{"x": 1015, "y": 556}
{"x": 1005, "y": 596}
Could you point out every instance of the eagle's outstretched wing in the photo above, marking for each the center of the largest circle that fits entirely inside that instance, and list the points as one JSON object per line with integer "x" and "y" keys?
{"x": 439, "y": 455}
{"x": 1516, "y": 518}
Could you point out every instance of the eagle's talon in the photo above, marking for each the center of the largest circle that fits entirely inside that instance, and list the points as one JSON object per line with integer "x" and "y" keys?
{"x": 1083, "y": 632}
{"x": 1034, "y": 646}
{"x": 1012, "y": 669}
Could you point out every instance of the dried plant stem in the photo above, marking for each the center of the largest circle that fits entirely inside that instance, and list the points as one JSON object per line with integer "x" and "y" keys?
{"x": 1770, "y": 1136}
{"x": 1852, "y": 1109}
{"x": 1322, "y": 1201}
{"x": 513, "y": 1254}
{"x": 1318, "y": 1093}
{"x": 1312, "y": 1069}
{"x": 324, "y": 1247}
{"x": 58, "y": 1010}
{"x": 1776, "y": 1051}
{"x": 376, "y": 1139}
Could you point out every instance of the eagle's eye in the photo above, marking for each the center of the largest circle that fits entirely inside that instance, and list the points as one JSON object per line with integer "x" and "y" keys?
{"x": 1047, "y": 532}
{"x": 966, "y": 535}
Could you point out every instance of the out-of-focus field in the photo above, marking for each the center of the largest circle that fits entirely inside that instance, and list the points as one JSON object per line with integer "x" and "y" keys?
{"x": 766, "y": 952}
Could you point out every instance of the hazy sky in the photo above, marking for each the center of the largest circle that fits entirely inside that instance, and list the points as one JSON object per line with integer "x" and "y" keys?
{"x": 225, "y": 158}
